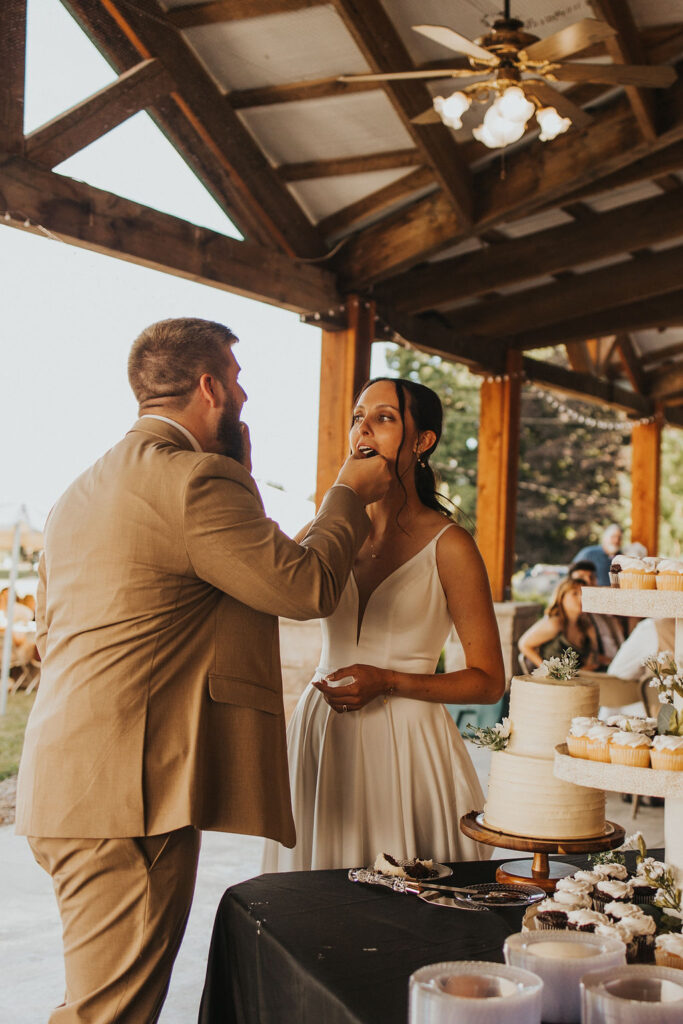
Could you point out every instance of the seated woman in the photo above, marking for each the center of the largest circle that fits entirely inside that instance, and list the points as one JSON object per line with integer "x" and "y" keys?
{"x": 563, "y": 625}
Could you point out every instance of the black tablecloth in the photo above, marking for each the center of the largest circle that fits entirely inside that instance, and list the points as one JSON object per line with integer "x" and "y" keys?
{"x": 315, "y": 948}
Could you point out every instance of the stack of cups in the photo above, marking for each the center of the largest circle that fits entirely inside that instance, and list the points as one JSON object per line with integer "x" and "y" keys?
{"x": 639, "y": 994}
{"x": 474, "y": 992}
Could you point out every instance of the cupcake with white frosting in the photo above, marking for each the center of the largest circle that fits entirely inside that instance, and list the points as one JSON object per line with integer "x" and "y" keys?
{"x": 633, "y": 723}
{"x": 670, "y": 574}
{"x": 575, "y": 886}
{"x": 576, "y": 737}
{"x": 630, "y": 748}
{"x": 669, "y": 950}
{"x": 619, "y": 930}
{"x": 643, "y": 929}
{"x": 609, "y": 890}
{"x": 667, "y": 753}
{"x": 597, "y": 742}
{"x": 611, "y": 869}
{"x": 637, "y": 573}
{"x": 585, "y": 920}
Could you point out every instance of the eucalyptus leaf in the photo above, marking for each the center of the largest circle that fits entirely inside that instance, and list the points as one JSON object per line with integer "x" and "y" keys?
{"x": 667, "y": 720}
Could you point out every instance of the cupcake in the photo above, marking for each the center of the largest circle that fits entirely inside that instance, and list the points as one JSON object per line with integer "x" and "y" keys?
{"x": 637, "y": 573}
{"x": 575, "y": 886}
{"x": 643, "y": 892}
{"x": 670, "y": 574}
{"x": 630, "y": 748}
{"x": 643, "y": 928}
{"x": 667, "y": 753}
{"x": 573, "y": 900}
{"x": 617, "y": 911}
{"x": 633, "y": 723}
{"x": 609, "y": 890}
{"x": 597, "y": 742}
{"x": 614, "y": 571}
{"x": 576, "y": 737}
{"x": 619, "y": 930}
{"x": 587, "y": 876}
{"x": 584, "y": 920}
{"x": 610, "y": 869}
{"x": 669, "y": 950}
{"x": 551, "y": 914}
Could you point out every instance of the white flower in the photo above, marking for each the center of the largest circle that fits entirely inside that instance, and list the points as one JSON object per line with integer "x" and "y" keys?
{"x": 651, "y": 867}
{"x": 663, "y": 697}
{"x": 632, "y": 842}
{"x": 504, "y": 728}
{"x": 541, "y": 672}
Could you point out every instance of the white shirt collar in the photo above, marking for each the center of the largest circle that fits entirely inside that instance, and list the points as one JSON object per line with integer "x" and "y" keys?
{"x": 174, "y": 423}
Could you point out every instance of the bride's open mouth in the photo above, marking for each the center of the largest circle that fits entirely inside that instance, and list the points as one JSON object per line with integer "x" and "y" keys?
{"x": 365, "y": 451}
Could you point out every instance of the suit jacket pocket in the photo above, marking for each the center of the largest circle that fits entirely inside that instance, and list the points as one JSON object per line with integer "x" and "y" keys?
{"x": 233, "y": 690}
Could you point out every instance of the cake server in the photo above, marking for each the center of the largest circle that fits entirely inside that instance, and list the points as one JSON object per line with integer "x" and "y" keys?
{"x": 501, "y": 895}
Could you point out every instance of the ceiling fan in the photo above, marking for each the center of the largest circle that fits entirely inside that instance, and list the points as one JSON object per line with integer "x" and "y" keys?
{"x": 499, "y": 60}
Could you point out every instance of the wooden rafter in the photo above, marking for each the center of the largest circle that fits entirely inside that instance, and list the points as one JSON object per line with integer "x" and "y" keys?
{"x": 431, "y": 336}
{"x": 12, "y": 60}
{"x": 294, "y": 92}
{"x": 64, "y": 135}
{"x": 375, "y": 203}
{"x": 213, "y": 13}
{"x": 631, "y": 363}
{"x": 626, "y": 48}
{"x": 593, "y": 237}
{"x": 664, "y": 161}
{"x": 666, "y": 383}
{"x": 586, "y": 386}
{"x": 579, "y": 357}
{"x": 254, "y": 184}
{"x": 660, "y": 311}
{"x": 383, "y": 49}
{"x": 535, "y": 177}
{"x": 592, "y": 292}
{"x": 662, "y": 355}
{"x": 94, "y": 219}
{"x": 350, "y": 165}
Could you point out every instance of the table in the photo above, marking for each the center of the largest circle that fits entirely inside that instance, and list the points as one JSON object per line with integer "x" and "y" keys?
{"x": 314, "y": 948}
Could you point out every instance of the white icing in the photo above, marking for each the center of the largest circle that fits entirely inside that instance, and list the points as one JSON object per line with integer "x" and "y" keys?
{"x": 580, "y": 726}
{"x": 579, "y": 917}
{"x": 611, "y": 871}
{"x": 601, "y": 733}
{"x": 574, "y": 885}
{"x": 572, "y": 899}
{"x": 671, "y": 943}
{"x": 631, "y": 739}
{"x": 614, "y": 888}
{"x": 587, "y": 876}
{"x": 670, "y": 565}
{"x": 668, "y": 742}
{"x": 622, "y": 910}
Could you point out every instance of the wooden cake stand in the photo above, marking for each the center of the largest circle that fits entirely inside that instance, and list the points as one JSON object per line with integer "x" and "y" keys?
{"x": 538, "y": 871}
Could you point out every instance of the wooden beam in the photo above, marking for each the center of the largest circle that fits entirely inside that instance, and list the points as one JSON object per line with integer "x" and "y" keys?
{"x": 349, "y": 165}
{"x": 254, "y": 182}
{"x": 662, "y": 355}
{"x": 631, "y": 363}
{"x": 344, "y": 368}
{"x": 653, "y": 274}
{"x": 192, "y": 15}
{"x": 663, "y": 161}
{"x": 12, "y": 60}
{"x": 377, "y": 202}
{"x": 77, "y": 127}
{"x": 497, "y": 462}
{"x": 294, "y": 92}
{"x": 606, "y": 234}
{"x": 626, "y": 48}
{"x": 661, "y": 384}
{"x": 646, "y": 457}
{"x": 377, "y": 38}
{"x": 661, "y": 311}
{"x": 536, "y": 176}
{"x": 432, "y": 335}
{"x": 586, "y": 387}
{"x": 579, "y": 357}
{"x": 92, "y": 219}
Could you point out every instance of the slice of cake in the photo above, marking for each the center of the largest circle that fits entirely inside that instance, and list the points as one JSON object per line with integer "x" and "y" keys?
{"x": 524, "y": 797}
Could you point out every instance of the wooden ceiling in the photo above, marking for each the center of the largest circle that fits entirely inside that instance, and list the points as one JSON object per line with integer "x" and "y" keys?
{"x": 576, "y": 242}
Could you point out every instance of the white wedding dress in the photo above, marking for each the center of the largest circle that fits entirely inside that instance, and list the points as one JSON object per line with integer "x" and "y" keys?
{"x": 393, "y": 777}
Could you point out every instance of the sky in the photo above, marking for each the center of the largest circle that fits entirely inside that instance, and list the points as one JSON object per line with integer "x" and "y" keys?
{"x": 69, "y": 316}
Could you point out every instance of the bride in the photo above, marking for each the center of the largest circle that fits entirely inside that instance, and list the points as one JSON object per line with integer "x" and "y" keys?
{"x": 376, "y": 762}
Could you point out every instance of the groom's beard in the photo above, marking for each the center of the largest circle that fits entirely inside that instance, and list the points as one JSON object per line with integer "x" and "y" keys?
{"x": 229, "y": 434}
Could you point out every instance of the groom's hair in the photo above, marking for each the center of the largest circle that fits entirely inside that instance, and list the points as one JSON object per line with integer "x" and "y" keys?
{"x": 168, "y": 358}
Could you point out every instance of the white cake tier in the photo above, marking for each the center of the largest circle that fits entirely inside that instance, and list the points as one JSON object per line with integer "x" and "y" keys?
{"x": 541, "y": 711}
{"x": 525, "y": 799}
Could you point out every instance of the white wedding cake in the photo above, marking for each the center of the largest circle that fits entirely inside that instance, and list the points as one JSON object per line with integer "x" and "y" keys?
{"x": 524, "y": 797}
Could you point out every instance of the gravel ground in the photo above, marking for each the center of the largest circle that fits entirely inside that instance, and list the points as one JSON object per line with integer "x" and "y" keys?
{"x": 8, "y": 796}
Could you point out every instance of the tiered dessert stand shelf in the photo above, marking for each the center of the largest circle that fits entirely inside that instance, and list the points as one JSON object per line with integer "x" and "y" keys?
{"x": 655, "y": 604}
{"x": 539, "y": 871}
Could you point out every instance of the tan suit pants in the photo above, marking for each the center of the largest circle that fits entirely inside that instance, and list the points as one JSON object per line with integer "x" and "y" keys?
{"x": 124, "y": 905}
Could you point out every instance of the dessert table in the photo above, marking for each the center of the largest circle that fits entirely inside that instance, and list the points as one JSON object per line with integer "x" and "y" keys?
{"x": 312, "y": 947}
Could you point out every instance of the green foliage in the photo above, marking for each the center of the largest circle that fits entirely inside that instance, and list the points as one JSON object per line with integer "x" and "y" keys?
{"x": 671, "y": 493}
{"x": 12, "y": 726}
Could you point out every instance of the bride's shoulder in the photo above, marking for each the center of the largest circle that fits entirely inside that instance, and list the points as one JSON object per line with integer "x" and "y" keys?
{"x": 456, "y": 546}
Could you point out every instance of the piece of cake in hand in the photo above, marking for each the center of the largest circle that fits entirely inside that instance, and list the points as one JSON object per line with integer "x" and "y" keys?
{"x": 630, "y": 748}
{"x": 667, "y": 753}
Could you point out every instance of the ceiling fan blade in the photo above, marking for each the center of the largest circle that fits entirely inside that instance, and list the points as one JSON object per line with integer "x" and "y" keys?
{"x": 550, "y": 97}
{"x": 428, "y": 116}
{"x": 454, "y": 41}
{"x": 389, "y": 76}
{"x": 569, "y": 40}
{"x": 650, "y": 76}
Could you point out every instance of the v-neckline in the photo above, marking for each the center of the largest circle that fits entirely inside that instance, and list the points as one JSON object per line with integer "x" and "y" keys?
{"x": 360, "y": 617}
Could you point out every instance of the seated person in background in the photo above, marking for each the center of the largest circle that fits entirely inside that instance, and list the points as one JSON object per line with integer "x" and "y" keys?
{"x": 650, "y": 637}
{"x": 608, "y": 627}
{"x": 563, "y": 625}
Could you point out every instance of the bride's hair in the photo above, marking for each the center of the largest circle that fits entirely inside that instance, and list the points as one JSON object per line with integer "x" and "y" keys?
{"x": 426, "y": 410}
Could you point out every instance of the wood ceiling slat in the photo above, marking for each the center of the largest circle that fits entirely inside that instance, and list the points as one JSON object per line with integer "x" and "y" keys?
{"x": 586, "y": 387}
{"x": 431, "y": 336}
{"x": 376, "y": 202}
{"x": 255, "y": 183}
{"x": 71, "y": 131}
{"x": 12, "y": 59}
{"x": 664, "y": 384}
{"x": 649, "y": 275}
{"x": 544, "y": 252}
{"x": 311, "y": 169}
{"x": 382, "y": 47}
{"x": 664, "y": 161}
{"x": 661, "y": 355}
{"x": 315, "y": 89}
{"x": 626, "y": 48}
{"x": 535, "y": 177}
{"x": 192, "y": 15}
{"x": 631, "y": 363}
{"x": 94, "y": 219}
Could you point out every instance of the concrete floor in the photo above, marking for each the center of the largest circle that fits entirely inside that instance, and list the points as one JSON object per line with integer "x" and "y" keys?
{"x": 31, "y": 973}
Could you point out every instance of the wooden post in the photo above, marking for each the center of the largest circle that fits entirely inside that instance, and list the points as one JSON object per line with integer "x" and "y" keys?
{"x": 344, "y": 368}
{"x": 498, "y": 457}
{"x": 12, "y": 63}
{"x": 646, "y": 450}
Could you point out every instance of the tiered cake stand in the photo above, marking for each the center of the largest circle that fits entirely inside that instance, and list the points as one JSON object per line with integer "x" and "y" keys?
{"x": 538, "y": 871}
{"x": 655, "y": 604}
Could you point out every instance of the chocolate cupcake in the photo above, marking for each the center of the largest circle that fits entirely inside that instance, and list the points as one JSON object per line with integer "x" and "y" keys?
{"x": 585, "y": 920}
{"x": 643, "y": 892}
{"x": 550, "y": 914}
{"x": 609, "y": 890}
{"x": 619, "y": 930}
{"x": 611, "y": 869}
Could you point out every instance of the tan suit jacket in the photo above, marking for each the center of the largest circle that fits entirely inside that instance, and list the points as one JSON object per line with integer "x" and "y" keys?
{"x": 160, "y": 702}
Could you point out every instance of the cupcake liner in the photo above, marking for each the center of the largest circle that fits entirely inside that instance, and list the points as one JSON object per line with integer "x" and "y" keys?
{"x": 614, "y": 579}
{"x": 637, "y": 580}
{"x": 648, "y": 897}
{"x": 664, "y": 959}
{"x": 597, "y": 751}
{"x": 645, "y": 949}
{"x": 576, "y": 746}
{"x": 669, "y": 580}
{"x": 667, "y": 760}
{"x": 635, "y": 757}
{"x": 547, "y": 925}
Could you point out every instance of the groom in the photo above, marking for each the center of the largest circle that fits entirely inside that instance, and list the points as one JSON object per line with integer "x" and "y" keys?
{"x": 160, "y": 706}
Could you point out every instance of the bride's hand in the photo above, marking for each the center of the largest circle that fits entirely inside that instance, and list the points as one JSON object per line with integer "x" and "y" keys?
{"x": 367, "y": 682}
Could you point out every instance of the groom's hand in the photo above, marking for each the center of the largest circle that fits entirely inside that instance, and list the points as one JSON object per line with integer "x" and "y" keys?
{"x": 369, "y": 478}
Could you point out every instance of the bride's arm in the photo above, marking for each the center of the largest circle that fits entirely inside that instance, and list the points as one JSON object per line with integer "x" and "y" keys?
{"x": 468, "y": 594}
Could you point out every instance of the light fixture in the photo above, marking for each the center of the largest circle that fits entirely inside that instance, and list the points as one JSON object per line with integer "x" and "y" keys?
{"x": 506, "y": 119}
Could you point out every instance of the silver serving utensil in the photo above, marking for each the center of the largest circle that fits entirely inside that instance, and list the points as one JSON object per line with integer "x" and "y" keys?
{"x": 501, "y": 896}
